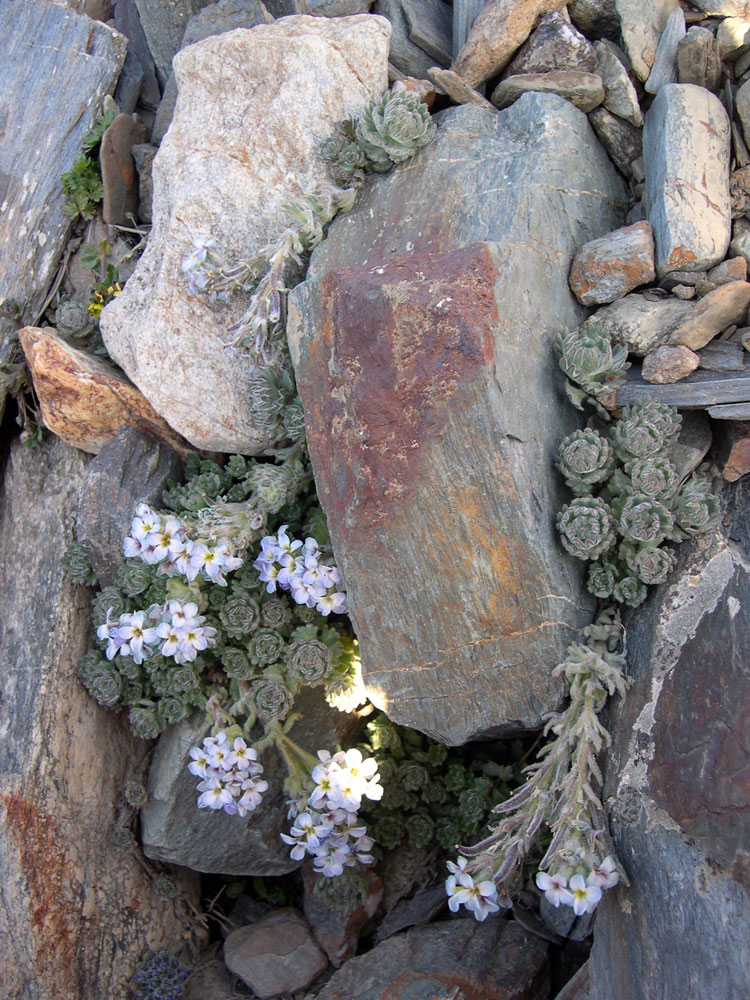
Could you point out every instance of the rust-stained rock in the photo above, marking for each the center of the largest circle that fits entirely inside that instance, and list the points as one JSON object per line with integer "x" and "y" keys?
{"x": 678, "y": 783}
{"x": 726, "y": 305}
{"x": 733, "y": 449}
{"x": 84, "y": 399}
{"x": 613, "y": 265}
{"x": 337, "y": 926}
{"x": 78, "y": 912}
{"x": 501, "y": 28}
{"x": 119, "y": 175}
{"x": 432, "y": 396}
{"x": 669, "y": 364}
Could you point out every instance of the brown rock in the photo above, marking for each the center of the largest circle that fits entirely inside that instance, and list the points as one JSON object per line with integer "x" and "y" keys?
{"x": 119, "y": 175}
{"x": 456, "y": 959}
{"x": 613, "y": 265}
{"x": 501, "y": 28}
{"x": 683, "y": 291}
{"x": 733, "y": 269}
{"x": 723, "y": 307}
{"x": 669, "y": 364}
{"x": 554, "y": 44}
{"x": 458, "y": 89}
{"x": 337, "y": 927}
{"x": 582, "y": 89}
{"x": 734, "y": 450}
{"x": 85, "y": 400}
{"x": 275, "y": 955}
{"x": 642, "y": 324}
{"x": 623, "y": 141}
{"x": 698, "y": 59}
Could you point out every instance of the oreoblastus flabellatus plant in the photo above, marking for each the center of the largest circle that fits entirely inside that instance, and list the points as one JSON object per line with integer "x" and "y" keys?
{"x": 630, "y": 503}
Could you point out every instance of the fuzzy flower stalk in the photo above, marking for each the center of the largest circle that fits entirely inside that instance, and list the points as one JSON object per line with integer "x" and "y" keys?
{"x": 561, "y": 792}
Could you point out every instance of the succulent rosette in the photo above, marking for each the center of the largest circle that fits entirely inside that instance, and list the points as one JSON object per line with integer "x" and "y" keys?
{"x": 236, "y": 663}
{"x": 239, "y": 614}
{"x": 697, "y": 509}
{"x": 651, "y": 564}
{"x": 266, "y": 646}
{"x": 586, "y": 527}
{"x": 666, "y": 419}
{"x": 589, "y": 358}
{"x": 270, "y": 697}
{"x": 275, "y": 613}
{"x": 308, "y": 660}
{"x": 642, "y": 519}
{"x": 636, "y": 437}
{"x": 602, "y": 577}
{"x": 630, "y": 590}
{"x": 392, "y": 129}
{"x": 585, "y": 459}
{"x": 654, "y": 477}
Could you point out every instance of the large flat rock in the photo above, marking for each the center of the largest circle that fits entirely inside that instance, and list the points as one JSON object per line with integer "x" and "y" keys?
{"x": 253, "y": 107}
{"x": 78, "y": 913}
{"x": 422, "y": 343}
{"x": 678, "y": 785}
{"x": 56, "y": 68}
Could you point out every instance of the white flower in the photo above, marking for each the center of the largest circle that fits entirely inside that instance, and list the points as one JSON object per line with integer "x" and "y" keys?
{"x": 480, "y": 898}
{"x": 199, "y": 764}
{"x": 585, "y": 896}
{"x": 554, "y": 888}
{"x": 604, "y": 875}
{"x": 214, "y": 796}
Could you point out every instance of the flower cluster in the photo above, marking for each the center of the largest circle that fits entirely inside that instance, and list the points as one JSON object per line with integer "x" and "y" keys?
{"x": 579, "y": 890}
{"x": 177, "y": 629}
{"x": 160, "y": 976}
{"x": 478, "y": 895}
{"x": 230, "y": 774}
{"x": 165, "y": 541}
{"x": 326, "y": 825}
{"x": 300, "y": 568}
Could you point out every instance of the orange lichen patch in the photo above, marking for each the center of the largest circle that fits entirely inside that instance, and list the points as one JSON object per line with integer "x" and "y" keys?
{"x": 679, "y": 257}
{"x": 54, "y": 885}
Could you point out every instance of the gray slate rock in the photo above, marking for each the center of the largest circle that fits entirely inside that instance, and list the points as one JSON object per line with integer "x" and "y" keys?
{"x": 427, "y": 482}
{"x": 623, "y": 141}
{"x": 164, "y": 25}
{"x": 129, "y": 85}
{"x": 48, "y": 51}
{"x": 465, "y": 13}
{"x": 215, "y": 19}
{"x": 677, "y": 784}
{"x": 698, "y": 59}
{"x": 174, "y": 830}
{"x": 595, "y": 18}
{"x": 68, "y": 893}
{"x": 686, "y": 154}
{"x": 641, "y": 27}
{"x": 131, "y": 469}
{"x": 336, "y": 8}
{"x": 582, "y": 89}
{"x": 407, "y": 57}
{"x": 554, "y": 44}
{"x": 664, "y": 69}
{"x": 620, "y": 96}
{"x": 430, "y": 27}
{"x": 143, "y": 155}
{"x": 128, "y": 23}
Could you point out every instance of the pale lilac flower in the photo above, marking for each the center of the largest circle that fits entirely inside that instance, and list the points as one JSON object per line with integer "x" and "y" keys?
{"x": 134, "y": 634}
{"x": 604, "y": 875}
{"x": 335, "y": 603}
{"x": 554, "y": 888}
{"x": 214, "y": 795}
{"x": 585, "y": 895}
{"x": 200, "y": 763}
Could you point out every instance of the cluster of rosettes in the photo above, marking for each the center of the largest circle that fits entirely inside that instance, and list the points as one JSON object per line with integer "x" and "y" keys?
{"x": 590, "y": 359}
{"x": 299, "y": 568}
{"x": 640, "y": 505}
{"x": 175, "y": 628}
{"x": 581, "y": 890}
{"x": 230, "y": 774}
{"x": 326, "y": 824}
{"x": 160, "y": 976}
{"x": 164, "y": 541}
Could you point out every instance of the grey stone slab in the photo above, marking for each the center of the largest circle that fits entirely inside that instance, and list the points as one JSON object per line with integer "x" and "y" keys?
{"x": 686, "y": 154}
{"x": 164, "y": 25}
{"x": 698, "y": 59}
{"x": 730, "y": 411}
{"x": 446, "y": 455}
{"x": 623, "y": 141}
{"x": 595, "y": 18}
{"x": 722, "y": 356}
{"x": 128, "y": 22}
{"x": 620, "y": 95}
{"x": 56, "y": 68}
{"x": 664, "y": 69}
{"x": 465, "y": 13}
{"x": 699, "y": 390}
{"x": 641, "y": 27}
{"x": 404, "y": 55}
{"x": 554, "y": 44}
{"x": 430, "y": 27}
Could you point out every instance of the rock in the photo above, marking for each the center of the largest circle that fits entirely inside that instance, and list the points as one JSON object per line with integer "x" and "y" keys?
{"x": 725, "y": 8}
{"x": 49, "y": 51}
{"x": 733, "y": 38}
{"x": 642, "y": 324}
{"x": 404, "y": 55}
{"x": 613, "y": 265}
{"x": 669, "y": 281}
{"x": 740, "y": 245}
{"x": 84, "y": 399}
{"x": 677, "y": 784}
{"x": 210, "y": 982}
{"x": 244, "y": 910}
{"x": 453, "y": 959}
{"x": 742, "y": 104}
{"x": 336, "y": 8}
{"x": 128, "y": 22}
{"x": 431, "y": 27}
{"x": 337, "y": 926}
{"x": 501, "y": 28}
{"x": 732, "y": 269}
{"x": 164, "y": 26}
{"x": 130, "y": 82}
{"x": 726, "y": 305}
{"x": 419, "y": 909}
{"x": 739, "y": 189}
{"x": 582, "y": 89}
{"x": 143, "y": 156}
{"x": 595, "y": 18}
{"x": 664, "y": 69}
{"x": 465, "y": 13}
{"x": 69, "y": 895}
{"x": 698, "y": 59}
{"x": 700, "y": 390}
{"x": 577, "y": 988}
{"x": 554, "y": 44}
{"x": 174, "y": 830}
{"x": 641, "y": 26}
{"x": 130, "y": 469}
{"x": 686, "y": 152}
{"x": 619, "y": 93}
{"x": 415, "y": 338}
{"x": 683, "y": 291}
{"x": 215, "y": 19}
{"x": 457, "y": 89}
{"x": 622, "y": 141}
{"x": 119, "y": 177}
{"x": 669, "y": 364}
{"x": 264, "y": 141}
{"x": 275, "y": 955}
{"x": 733, "y": 448}
{"x": 722, "y": 356}
{"x": 692, "y": 444}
